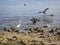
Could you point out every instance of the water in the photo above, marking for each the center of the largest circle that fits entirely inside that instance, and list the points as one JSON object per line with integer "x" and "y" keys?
{"x": 25, "y": 21}
{"x": 12, "y": 11}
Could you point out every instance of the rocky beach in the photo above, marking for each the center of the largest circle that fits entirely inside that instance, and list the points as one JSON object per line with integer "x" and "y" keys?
{"x": 35, "y": 36}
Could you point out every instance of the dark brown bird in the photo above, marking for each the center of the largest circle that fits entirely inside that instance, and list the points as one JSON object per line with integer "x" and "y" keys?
{"x": 34, "y": 20}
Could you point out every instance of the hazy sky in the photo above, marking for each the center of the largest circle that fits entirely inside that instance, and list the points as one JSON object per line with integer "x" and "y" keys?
{"x": 16, "y": 7}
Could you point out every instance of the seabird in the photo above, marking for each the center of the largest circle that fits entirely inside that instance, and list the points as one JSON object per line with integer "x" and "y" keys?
{"x": 44, "y": 12}
{"x": 34, "y": 20}
{"x": 24, "y": 4}
{"x": 19, "y": 24}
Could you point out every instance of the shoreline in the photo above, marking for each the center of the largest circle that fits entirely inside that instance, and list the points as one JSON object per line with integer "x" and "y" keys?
{"x": 36, "y": 34}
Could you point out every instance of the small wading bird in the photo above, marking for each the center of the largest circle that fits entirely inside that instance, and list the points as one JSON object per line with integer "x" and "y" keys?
{"x": 19, "y": 24}
{"x": 34, "y": 20}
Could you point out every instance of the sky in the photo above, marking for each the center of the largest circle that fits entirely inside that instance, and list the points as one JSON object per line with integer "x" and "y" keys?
{"x": 16, "y": 7}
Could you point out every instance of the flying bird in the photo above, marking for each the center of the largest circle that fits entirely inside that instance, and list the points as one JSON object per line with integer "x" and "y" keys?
{"x": 34, "y": 20}
{"x": 44, "y": 12}
{"x": 24, "y": 4}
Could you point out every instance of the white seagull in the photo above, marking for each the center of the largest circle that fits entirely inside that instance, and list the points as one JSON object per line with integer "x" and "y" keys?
{"x": 19, "y": 24}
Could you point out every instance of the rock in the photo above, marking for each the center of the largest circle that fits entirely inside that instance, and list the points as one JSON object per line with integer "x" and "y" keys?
{"x": 4, "y": 41}
{"x": 45, "y": 26}
{"x": 32, "y": 29}
{"x": 41, "y": 43}
{"x": 14, "y": 30}
{"x": 6, "y": 29}
{"x": 51, "y": 31}
{"x": 15, "y": 38}
{"x": 58, "y": 33}
{"x": 22, "y": 42}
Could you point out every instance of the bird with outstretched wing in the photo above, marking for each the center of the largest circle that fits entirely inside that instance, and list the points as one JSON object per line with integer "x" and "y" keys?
{"x": 44, "y": 12}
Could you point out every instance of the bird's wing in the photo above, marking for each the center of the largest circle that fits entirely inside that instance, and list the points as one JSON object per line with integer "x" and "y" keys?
{"x": 45, "y": 10}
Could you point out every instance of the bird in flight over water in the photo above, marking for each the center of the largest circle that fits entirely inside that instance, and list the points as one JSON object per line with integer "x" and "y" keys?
{"x": 24, "y": 4}
{"x": 44, "y": 12}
